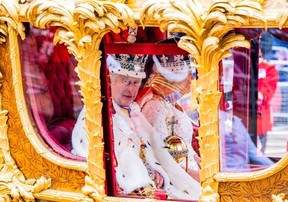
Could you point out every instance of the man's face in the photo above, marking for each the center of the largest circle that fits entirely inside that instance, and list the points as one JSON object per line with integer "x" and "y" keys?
{"x": 124, "y": 89}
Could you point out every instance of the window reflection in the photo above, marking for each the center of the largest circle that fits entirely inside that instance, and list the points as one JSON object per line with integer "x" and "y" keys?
{"x": 254, "y": 100}
{"x": 51, "y": 93}
{"x": 273, "y": 96}
{"x": 267, "y": 84}
{"x": 238, "y": 152}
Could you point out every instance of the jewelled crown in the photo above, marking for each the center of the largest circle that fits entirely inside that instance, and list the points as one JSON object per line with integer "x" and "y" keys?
{"x": 128, "y": 65}
{"x": 174, "y": 60}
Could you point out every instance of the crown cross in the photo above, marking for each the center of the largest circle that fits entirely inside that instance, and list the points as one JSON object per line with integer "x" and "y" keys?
{"x": 172, "y": 122}
{"x": 132, "y": 31}
{"x": 178, "y": 58}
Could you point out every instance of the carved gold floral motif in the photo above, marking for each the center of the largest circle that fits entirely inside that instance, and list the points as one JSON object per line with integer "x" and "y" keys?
{"x": 256, "y": 189}
{"x": 81, "y": 26}
{"x": 9, "y": 14}
{"x": 279, "y": 198}
{"x": 13, "y": 184}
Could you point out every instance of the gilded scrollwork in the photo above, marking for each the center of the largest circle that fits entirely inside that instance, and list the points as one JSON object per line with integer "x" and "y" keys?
{"x": 13, "y": 184}
{"x": 281, "y": 18}
{"x": 9, "y": 13}
{"x": 279, "y": 198}
{"x": 208, "y": 39}
{"x": 254, "y": 185}
{"x": 81, "y": 27}
{"x": 255, "y": 189}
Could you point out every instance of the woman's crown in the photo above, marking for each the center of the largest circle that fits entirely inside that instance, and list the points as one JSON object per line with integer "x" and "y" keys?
{"x": 174, "y": 60}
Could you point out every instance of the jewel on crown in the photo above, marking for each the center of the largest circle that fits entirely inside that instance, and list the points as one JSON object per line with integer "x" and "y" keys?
{"x": 132, "y": 62}
{"x": 178, "y": 60}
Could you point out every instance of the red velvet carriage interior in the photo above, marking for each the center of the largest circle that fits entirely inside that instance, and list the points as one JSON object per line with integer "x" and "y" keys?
{"x": 52, "y": 95}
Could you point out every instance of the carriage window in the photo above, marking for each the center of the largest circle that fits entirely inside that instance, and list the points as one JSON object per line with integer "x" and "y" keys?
{"x": 151, "y": 130}
{"x": 51, "y": 93}
{"x": 252, "y": 113}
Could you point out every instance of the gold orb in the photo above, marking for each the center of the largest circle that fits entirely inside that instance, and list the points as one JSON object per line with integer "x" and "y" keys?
{"x": 176, "y": 147}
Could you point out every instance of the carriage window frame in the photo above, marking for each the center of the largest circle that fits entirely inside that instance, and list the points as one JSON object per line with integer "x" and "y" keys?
{"x": 48, "y": 126}
{"x": 123, "y": 48}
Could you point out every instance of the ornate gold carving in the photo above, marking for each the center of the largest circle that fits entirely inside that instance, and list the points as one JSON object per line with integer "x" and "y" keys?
{"x": 31, "y": 139}
{"x": 255, "y": 189}
{"x": 23, "y": 110}
{"x": 29, "y": 161}
{"x": 235, "y": 186}
{"x": 56, "y": 195}
{"x": 278, "y": 198}
{"x": 9, "y": 14}
{"x": 208, "y": 39}
{"x": 13, "y": 185}
{"x": 281, "y": 18}
{"x": 81, "y": 28}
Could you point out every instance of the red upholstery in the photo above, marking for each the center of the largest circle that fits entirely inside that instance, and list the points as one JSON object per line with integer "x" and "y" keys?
{"x": 53, "y": 98}
{"x": 195, "y": 140}
{"x": 61, "y": 130}
{"x": 58, "y": 82}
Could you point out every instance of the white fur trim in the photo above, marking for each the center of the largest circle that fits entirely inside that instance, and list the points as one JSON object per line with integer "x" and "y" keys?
{"x": 183, "y": 185}
{"x": 79, "y": 138}
{"x": 178, "y": 74}
{"x": 130, "y": 166}
{"x": 131, "y": 174}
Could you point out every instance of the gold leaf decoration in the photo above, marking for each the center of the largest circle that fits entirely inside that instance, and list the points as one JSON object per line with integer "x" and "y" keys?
{"x": 9, "y": 13}
{"x": 260, "y": 185}
{"x": 13, "y": 185}
{"x": 31, "y": 165}
{"x": 278, "y": 198}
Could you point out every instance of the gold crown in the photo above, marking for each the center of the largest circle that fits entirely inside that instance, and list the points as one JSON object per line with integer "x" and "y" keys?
{"x": 130, "y": 65}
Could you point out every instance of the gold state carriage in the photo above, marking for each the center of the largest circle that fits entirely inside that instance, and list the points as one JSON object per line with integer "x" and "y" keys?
{"x": 34, "y": 167}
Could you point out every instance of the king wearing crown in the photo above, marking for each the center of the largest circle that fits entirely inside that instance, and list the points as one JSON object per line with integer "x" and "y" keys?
{"x": 143, "y": 165}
